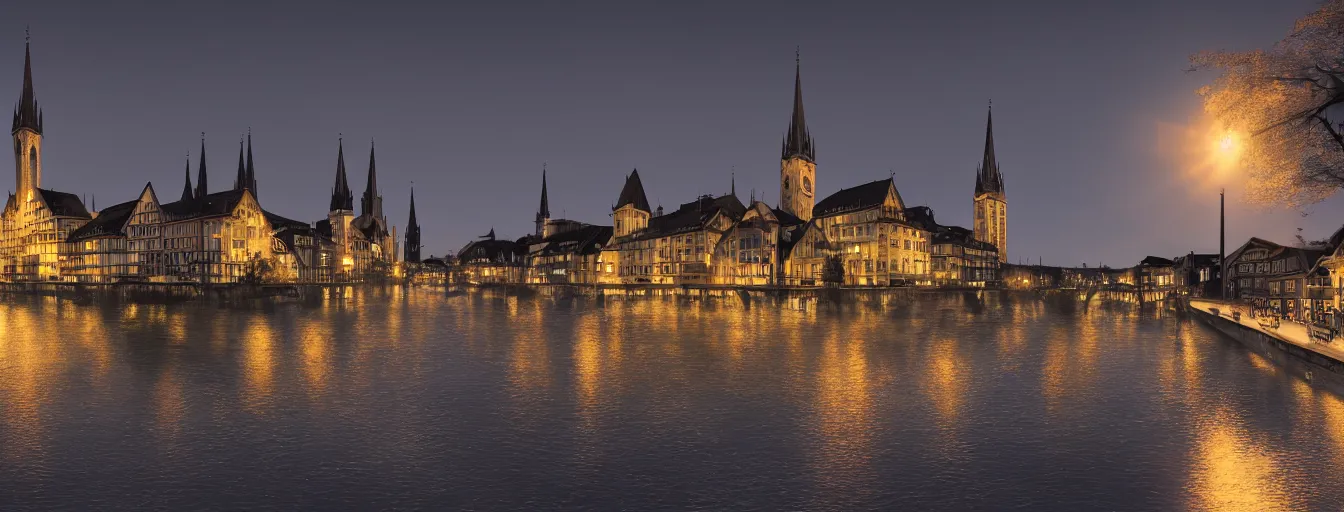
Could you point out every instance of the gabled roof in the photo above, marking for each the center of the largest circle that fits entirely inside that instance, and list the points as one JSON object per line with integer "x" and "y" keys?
{"x": 632, "y": 193}
{"x": 278, "y": 222}
{"x": 489, "y": 250}
{"x": 64, "y": 204}
{"x": 691, "y": 216}
{"x": 111, "y": 221}
{"x": 217, "y": 204}
{"x": 786, "y": 218}
{"x": 790, "y": 236}
{"x": 862, "y": 197}
{"x": 1155, "y": 261}
{"x": 585, "y": 240}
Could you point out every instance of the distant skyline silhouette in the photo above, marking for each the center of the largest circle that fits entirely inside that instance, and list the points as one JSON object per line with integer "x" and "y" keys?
{"x": 468, "y": 102}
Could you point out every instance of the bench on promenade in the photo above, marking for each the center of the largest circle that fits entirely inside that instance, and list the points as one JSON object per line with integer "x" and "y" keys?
{"x": 1321, "y": 333}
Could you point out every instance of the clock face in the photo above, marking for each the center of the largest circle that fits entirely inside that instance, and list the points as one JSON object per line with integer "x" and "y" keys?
{"x": 807, "y": 185}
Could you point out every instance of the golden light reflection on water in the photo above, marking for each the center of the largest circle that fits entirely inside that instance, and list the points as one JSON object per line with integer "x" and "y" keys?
{"x": 844, "y": 405}
{"x": 27, "y": 363}
{"x": 258, "y": 351}
{"x": 314, "y": 340}
{"x": 1233, "y": 472}
{"x": 170, "y": 406}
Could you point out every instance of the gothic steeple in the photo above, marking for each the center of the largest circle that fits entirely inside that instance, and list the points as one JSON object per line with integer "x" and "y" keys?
{"x": 543, "y": 211}
{"x": 371, "y": 203}
{"x": 240, "y": 182}
{"x": 412, "y": 234}
{"x": 341, "y": 197}
{"x": 27, "y": 114}
{"x": 202, "y": 187}
{"x": 251, "y": 170}
{"x": 187, "y": 194}
{"x": 988, "y": 178}
{"x": 798, "y": 142}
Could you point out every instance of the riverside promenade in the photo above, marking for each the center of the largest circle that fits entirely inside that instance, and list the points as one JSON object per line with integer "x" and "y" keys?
{"x": 1291, "y": 337}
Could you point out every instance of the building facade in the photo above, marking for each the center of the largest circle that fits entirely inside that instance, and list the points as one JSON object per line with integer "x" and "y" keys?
{"x": 866, "y": 227}
{"x": 798, "y": 161}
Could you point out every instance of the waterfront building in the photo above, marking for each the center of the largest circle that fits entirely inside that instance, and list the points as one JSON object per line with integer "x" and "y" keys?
{"x": 35, "y": 221}
{"x": 865, "y": 226}
{"x": 308, "y": 256}
{"x": 798, "y": 167}
{"x": 991, "y": 200}
{"x": 674, "y": 248}
{"x": 98, "y": 251}
{"x": 570, "y": 253}
{"x": 956, "y": 258}
{"x": 363, "y": 243}
{"x": 1270, "y": 275}
{"x": 803, "y": 250}
{"x": 1199, "y": 274}
{"x": 749, "y": 253}
{"x": 491, "y": 261}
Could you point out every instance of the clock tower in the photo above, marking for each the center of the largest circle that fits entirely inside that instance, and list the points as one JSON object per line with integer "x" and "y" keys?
{"x": 798, "y": 167}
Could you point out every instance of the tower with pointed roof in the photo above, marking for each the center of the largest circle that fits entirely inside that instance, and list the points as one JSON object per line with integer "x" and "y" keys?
{"x": 240, "y": 181}
{"x": 250, "y": 176}
{"x": 991, "y": 201}
{"x": 27, "y": 132}
{"x": 631, "y": 211}
{"x": 543, "y": 211}
{"x": 412, "y": 248}
{"x": 202, "y": 185}
{"x": 371, "y": 203}
{"x": 187, "y": 192}
{"x": 342, "y": 212}
{"x": 798, "y": 159}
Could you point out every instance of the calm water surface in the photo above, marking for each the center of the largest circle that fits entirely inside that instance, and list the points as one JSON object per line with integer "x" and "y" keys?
{"x": 409, "y": 399}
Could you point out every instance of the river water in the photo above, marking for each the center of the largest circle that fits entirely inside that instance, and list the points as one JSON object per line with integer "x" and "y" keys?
{"x": 410, "y": 399}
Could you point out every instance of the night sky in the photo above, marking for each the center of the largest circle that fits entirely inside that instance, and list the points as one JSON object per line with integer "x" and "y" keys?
{"x": 468, "y": 101}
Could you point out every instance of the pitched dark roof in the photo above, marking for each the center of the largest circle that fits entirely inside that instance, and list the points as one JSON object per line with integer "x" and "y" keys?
{"x": 372, "y": 202}
{"x": 64, "y": 204}
{"x": 489, "y": 250}
{"x": 251, "y": 169}
{"x": 1155, "y": 261}
{"x": 240, "y": 181}
{"x": 278, "y": 222}
{"x": 27, "y": 114}
{"x": 786, "y": 218}
{"x": 217, "y": 204}
{"x": 544, "y": 211}
{"x": 187, "y": 193}
{"x": 110, "y": 222}
{"x": 585, "y": 240}
{"x": 987, "y": 177}
{"x": 632, "y": 193}
{"x": 851, "y": 199}
{"x": 793, "y": 235}
{"x": 961, "y": 236}
{"x": 798, "y": 140}
{"x": 375, "y": 228}
{"x": 202, "y": 184}
{"x": 922, "y": 217}
{"x": 691, "y": 216}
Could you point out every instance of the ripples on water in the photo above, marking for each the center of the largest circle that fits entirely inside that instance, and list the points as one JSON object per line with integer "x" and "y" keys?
{"x": 409, "y": 399}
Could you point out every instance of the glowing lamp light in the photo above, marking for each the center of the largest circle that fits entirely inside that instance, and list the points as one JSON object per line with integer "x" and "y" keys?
{"x": 348, "y": 261}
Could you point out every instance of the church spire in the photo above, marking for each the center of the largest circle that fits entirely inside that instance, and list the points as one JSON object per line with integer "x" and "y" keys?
{"x": 341, "y": 197}
{"x": 371, "y": 203}
{"x": 202, "y": 187}
{"x": 187, "y": 194}
{"x": 240, "y": 182}
{"x": 798, "y": 142}
{"x": 412, "y": 234}
{"x": 988, "y": 178}
{"x": 544, "y": 210}
{"x": 27, "y": 114}
{"x": 251, "y": 176}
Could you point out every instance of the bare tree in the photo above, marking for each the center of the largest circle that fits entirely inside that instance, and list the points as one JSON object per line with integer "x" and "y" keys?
{"x": 1284, "y": 99}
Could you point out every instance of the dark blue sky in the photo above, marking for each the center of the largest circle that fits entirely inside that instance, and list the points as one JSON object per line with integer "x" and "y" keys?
{"x": 468, "y": 101}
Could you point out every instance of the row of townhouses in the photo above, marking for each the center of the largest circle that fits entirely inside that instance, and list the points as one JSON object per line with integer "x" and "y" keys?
{"x": 866, "y": 235}
{"x": 203, "y": 236}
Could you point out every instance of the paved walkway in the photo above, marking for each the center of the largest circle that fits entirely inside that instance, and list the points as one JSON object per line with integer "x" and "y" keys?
{"x": 1291, "y": 332}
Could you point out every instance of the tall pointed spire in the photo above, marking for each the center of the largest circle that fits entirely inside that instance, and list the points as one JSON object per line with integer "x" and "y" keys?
{"x": 412, "y": 248}
{"x": 371, "y": 203}
{"x": 341, "y": 197}
{"x": 251, "y": 169}
{"x": 732, "y": 185}
{"x": 798, "y": 142}
{"x": 187, "y": 193}
{"x": 544, "y": 210}
{"x": 202, "y": 186}
{"x": 240, "y": 182}
{"x": 988, "y": 178}
{"x": 27, "y": 114}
